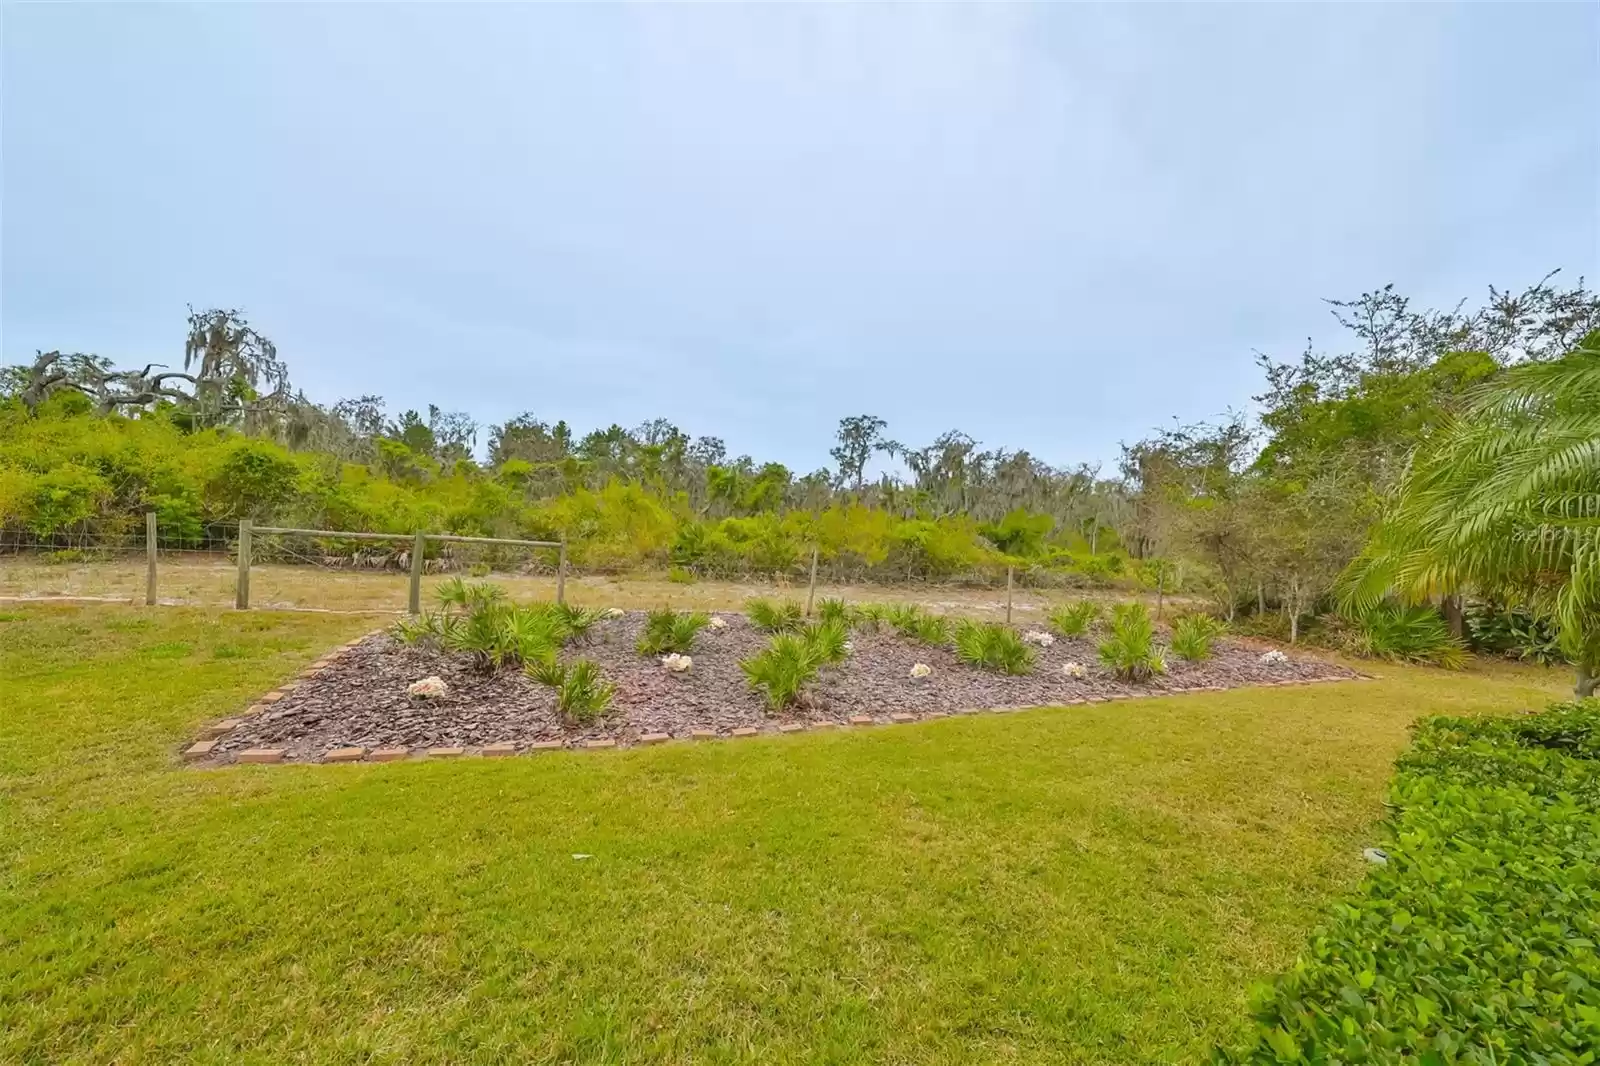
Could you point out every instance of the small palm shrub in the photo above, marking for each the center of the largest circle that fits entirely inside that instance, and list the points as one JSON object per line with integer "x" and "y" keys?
{"x": 769, "y": 617}
{"x": 912, "y": 621}
{"x": 582, "y": 692}
{"x": 782, "y": 670}
{"x": 829, "y": 641}
{"x": 426, "y": 628}
{"x": 835, "y": 610}
{"x": 456, "y": 594}
{"x": 1408, "y": 634}
{"x": 1074, "y": 619}
{"x": 1129, "y": 650}
{"x": 579, "y": 620}
{"x": 668, "y": 631}
{"x": 872, "y": 616}
{"x": 1192, "y": 636}
{"x": 993, "y": 646}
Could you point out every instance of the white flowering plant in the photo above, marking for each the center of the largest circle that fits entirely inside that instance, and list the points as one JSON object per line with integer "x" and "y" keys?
{"x": 1076, "y": 671}
{"x": 921, "y": 670}
{"x": 1039, "y": 637}
{"x": 1274, "y": 658}
{"x": 429, "y": 688}
{"x": 718, "y": 622}
{"x": 612, "y": 612}
{"x": 676, "y": 663}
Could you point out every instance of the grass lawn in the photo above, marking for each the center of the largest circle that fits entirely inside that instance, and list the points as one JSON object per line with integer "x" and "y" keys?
{"x": 1094, "y": 884}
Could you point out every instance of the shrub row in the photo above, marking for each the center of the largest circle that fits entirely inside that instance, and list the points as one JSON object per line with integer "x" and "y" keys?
{"x": 1476, "y": 941}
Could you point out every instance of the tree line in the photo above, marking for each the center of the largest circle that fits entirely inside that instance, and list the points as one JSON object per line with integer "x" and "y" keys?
{"x": 1262, "y": 512}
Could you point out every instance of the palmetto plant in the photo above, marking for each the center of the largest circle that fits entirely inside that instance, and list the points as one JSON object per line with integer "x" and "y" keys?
{"x": 1129, "y": 650}
{"x": 668, "y": 631}
{"x": 1074, "y": 619}
{"x": 769, "y": 617}
{"x": 1193, "y": 634}
{"x": 992, "y": 646}
{"x": 1505, "y": 500}
{"x": 782, "y": 670}
{"x": 1413, "y": 634}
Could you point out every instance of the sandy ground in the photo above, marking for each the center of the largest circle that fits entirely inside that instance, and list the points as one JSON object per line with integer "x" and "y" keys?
{"x": 209, "y": 580}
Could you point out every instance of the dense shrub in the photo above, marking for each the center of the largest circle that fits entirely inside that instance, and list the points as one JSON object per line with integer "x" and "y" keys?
{"x": 582, "y": 693}
{"x": 671, "y": 632}
{"x": 782, "y": 670}
{"x": 1193, "y": 634}
{"x": 66, "y": 474}
{"x": 835, "y": 610}
{"x": 918, "y": 624}
{"x": 1514, "y": 633}
{"x": 769, "y": 617}
{"x": 992, "y": 646}
{"x": 1408, "y": 634}
{"x": 1074, "y": 619}
{"x": 1475, "y": 941}
{"x": 1129, "y": 650}
{"x": 829, "y": 641}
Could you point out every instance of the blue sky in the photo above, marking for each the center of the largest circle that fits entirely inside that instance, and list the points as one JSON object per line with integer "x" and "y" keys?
{"x": 1053, "y": 227}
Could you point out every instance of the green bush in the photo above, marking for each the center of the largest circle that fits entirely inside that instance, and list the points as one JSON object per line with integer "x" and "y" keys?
{"x": 912, "y": 621}
{"x": 992, "y": 646}
{"x": 1074, "y": 619}
{"x": 834, "y": 610}
{"x": 1514, "y": 633}
{"x": 668, "y": 631}
{"x": 1408, "y": 634}
{"x": 769, "y": 617}
{"x": 828, "y": 641}
{"x": 456, "y": 594}
{"x": 782, "y": 670}
{"x": 872, "y": 616}
{"x": 680, "y": 576}
{"x": 582, "y": 693}
{"x": 1193, "y": 634}
{"x": 1475, "y": 941}
{"x": 1129, "y": 650}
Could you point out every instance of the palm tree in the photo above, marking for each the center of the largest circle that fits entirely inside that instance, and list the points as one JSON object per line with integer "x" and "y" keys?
{"x": 1505, "y": 500}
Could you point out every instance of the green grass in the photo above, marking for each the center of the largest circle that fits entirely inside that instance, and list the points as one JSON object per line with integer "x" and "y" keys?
{"x": 1096, "y": 884}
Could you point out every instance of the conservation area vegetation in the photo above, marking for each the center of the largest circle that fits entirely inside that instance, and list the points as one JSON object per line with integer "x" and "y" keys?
{"x": 1104, "y": 883}
{"x": 1312, "y": 519}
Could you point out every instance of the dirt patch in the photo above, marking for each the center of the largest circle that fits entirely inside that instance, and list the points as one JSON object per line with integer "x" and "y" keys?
{"x": 361, "y": 701}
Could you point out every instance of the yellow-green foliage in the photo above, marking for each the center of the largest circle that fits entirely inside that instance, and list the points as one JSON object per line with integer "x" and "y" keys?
{"x": 65, "y": 473}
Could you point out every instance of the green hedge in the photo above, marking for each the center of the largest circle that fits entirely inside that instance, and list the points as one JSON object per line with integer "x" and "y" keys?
{"x": 1476, "y": 942}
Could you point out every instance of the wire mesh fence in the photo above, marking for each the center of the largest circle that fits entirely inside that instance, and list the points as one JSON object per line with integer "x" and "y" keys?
{"x": 332, "y": 571}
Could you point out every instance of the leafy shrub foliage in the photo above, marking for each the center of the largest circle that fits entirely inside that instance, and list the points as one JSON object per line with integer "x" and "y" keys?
{"x": 1074, "y": 619}
{"x": 668, "y": 631}
{"x": 1129, "y": 650}
{"x": 1514, "y": 633}
{"x": 1475, "y": 942}
{"x": 912, "y": 621}
{"x": 454, "y": 594}
{"x": 872, "y": 616}
{"x": 769, "y": 617}
{"x": 1408, "y": 634}
{"x": 829, "y": 641}
{"x": 835, "y": 610}
{"x": 782, "y": 670}
{"x": 1193, "y": 634}
{"x": 582, "y": 693}
{"x": 993, "y": 646}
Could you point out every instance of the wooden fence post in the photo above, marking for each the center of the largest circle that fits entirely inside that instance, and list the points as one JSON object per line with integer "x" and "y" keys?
{"x": 419, "y": 545}
{"x": 150, "y": 558}
{"x": 1009, "y": 571}
{"x": 811, "y": 595}
{"x": 561, "y": 572}
{"x": 242, "y": 595}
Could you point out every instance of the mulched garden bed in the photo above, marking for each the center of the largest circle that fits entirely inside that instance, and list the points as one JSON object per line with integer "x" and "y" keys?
{"x": 360, "y": 700}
